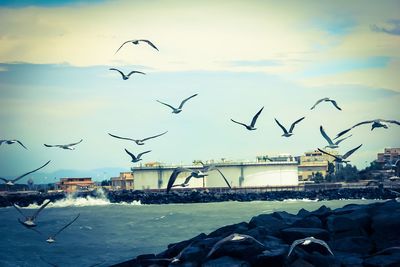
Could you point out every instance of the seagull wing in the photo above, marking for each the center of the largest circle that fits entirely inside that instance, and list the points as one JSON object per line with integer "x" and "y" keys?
{"x": 336, "y": 157}
{"x": 187, "y": 180}
{"x": 73, "y": 144}
{"x": 2, "y": 141}
{"x": 19, "y": 210}
{"x": 321, "y": 129}
{"x": 4, "y": 179}
{"x": 119, "y": 137}
{"x": 392, "y": 121}
{"x": 254, "y": 120}
{"x": 153, "y": 136}
{"x": 68, "y": 224}
{"x": 120, "y": 72}
{"x": 335, "y": 104}
{"x": 294, "y": 124}
{"x": 19, "y": 142}
{"x": 223, "y": 176}
{"x": 319, "y": 101}
{"x": 280, "y": 125}
{"x": 239, "y": 123}
{"x": 130, "y": 154}
{"x": 166, "y": 104}
{"x": 323, "y": 243}
{"x": 361, "y": 123}
{"x": 294, "y": 244}
{"x": 184, "y": 101}
{"x": 51, "y": 145}
{"x": 345, "y": 156}
{"x": 40, "y": 209}
{"x": 340, "y": 140}
{"x": 150, "y": 43}
{"x": 173, "y": 177}
{"x": 135, "y": 71}
{"x": 123, "y": 45}
{"x": 342, "y": 133}
{"x": 25, "y": 174}
{"x": 140, "y": 154}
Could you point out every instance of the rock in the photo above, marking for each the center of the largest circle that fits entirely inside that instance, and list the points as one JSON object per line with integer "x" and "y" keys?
{"x": 308, "y": 222}
{"x": 226, "y": 262}
{"x": 317, "y": 259}
{"x": 349, "y": 259}
{"x": 285, "y": 217}
{"x": 272, "y": 224}
{"x": 175, "y": 248}
{"x": 355, "y": 244}
{"x": 300, "y": 263}
{"x": 273, "y": 257}
{"x": 294, "y": 233}
{"x": 322, "y": 212}
{"x": 342, "y": 226}
{"x": 193, "y": 254}
{"x": 386, "y": 230}
{"x": 230, "y": 229}
{"x": 303, "y": 213}
{"x": 392, "y": 260}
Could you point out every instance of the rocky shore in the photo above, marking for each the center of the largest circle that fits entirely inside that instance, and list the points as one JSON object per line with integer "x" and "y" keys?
{"x": 205, "y": 196}
{"x": 357, "y": 235}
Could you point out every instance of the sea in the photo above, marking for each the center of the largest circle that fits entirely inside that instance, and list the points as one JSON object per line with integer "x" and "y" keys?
{"x": 107, "y": 233}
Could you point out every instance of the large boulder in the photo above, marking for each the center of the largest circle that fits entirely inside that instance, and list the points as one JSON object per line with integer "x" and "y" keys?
{"x": 230, "y": 229}
{"x": 386, "y": 230}
{"x": 308, "y": 222}
{"x": 272, "y": 224}
{"x": 342, "y": 226}
{"x": 175, "y": 248}
{"x": 293, "y": 233}
{"x": 271, "y": 257}
{"x": 354, "y": 244}
{"x": 226, "y": 262}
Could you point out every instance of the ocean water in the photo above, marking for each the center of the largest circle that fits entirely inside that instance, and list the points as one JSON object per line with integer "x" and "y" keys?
{"x": 108, "y": 233}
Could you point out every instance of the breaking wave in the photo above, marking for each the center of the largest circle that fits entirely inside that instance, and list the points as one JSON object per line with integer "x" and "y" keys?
{"x": 88, "y": 201}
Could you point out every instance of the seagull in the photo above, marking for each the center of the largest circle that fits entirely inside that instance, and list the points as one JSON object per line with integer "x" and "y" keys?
{"x": 179, "y": 109}
{"x": 30, "y": 220}
{"x": 69, "y": 146}
{"x": 12, "y": 141}
{"x": 126, "y": 77}
{"x": 326, "y": 99}
{"x": 136, "y": 42}
{"x": 306, "y": 241}
{"x": 341, "y": 159}
{"x": 138, "y": 141}
{"x": 233, "y": 238}
{"x": 285, "y": 132}
{"x": 253, "y": 121}
{"x": 51, "y": 239}
{"x": 378, "y": 123}
{"x": 200, "y": 173}
{"x": 12, "y": 182}
{"x": 136, "y": 158}
{"x": 331, "y": 144}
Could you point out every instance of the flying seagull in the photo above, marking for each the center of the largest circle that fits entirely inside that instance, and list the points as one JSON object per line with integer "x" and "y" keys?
{"x": 12, "y": 141}
{"x": 69, "y": 146}
{"x": 331, "y": 144}
{"x": 378, "y": 123}
{"x": 198, "y": 173}
{"x": 30, "y": 220}
{"x": 253, "y": 121}
{"x": 12, "y": 182}
{"x": 126, "y": 77}
{"x": 341, "y": 159}
{"x": 138, "y": 141}
{"x": 326, "y": 99}
{"x": 233, "y": 238}
{"x": 136, "y": 42}
{"x": 52, "y": 238}
{"x": 179, "y": 109}
{"x": 138, "y": 157}
{"x": 285, "y": 132}
{"x": 306, "y": 241}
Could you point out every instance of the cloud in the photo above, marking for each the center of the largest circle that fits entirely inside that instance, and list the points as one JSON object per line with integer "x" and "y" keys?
{"x": 392, "y": 28}
{"x": 44, "y": 3}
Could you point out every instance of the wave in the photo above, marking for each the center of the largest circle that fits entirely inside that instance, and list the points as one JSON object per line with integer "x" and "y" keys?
{"x": 88, "y": 201}
{"x": 300, "y": 199}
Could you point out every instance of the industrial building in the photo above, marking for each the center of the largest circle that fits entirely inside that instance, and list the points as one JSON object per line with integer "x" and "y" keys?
{"x": 243, "y": 174}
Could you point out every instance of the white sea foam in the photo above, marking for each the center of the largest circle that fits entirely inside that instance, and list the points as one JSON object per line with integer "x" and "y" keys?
{"x": 73, "y": 201}
{"x": 298, "y": 200}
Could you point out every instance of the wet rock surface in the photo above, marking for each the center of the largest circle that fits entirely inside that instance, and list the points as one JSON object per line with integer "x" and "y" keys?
{"x": 358, "y": 236}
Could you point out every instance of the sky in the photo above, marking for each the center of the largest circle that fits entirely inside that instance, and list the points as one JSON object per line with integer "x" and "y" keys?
{"x": 238, "y": 56}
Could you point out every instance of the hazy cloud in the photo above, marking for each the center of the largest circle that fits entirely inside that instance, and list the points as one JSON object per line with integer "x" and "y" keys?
{"x": 392, "y": 28}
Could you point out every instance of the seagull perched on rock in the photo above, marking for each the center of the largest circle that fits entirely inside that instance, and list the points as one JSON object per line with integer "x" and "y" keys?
{"x": 327, "y": 138}
{"x": 12, "y": 141}
{"x": 341, "y": 159}
{"x": 126, "y": 77}
{"x": 195, "y": 173}
{"x": 136, "y": 158}
{"x": 307, "y": 241}
{"x": 179, "y": 109}
{"x": 288, "y": 133}
{"x": 136, "y": 42}
{"x": 326, "y": 99}
{"x": 253, "y": 121}
{"x": 30, "y": 220}
{"x": 378, "y": 123}
{"x": 12, "y": 182}
{"x": 68, "y": 146}
{"x": 138, "y": 141}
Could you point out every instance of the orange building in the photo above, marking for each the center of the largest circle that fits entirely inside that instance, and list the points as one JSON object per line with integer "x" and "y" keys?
{"x": 71, "y": 185}
{"x": 124, "y": 181}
